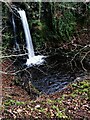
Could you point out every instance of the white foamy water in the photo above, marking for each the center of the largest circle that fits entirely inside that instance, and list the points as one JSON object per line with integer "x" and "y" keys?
{"x": 33, "y": 60}
{"x": 27, "y": 33}
{"x": 36, "y": 60}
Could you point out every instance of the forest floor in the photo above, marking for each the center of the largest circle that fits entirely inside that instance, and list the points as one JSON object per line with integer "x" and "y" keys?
{"x": 72, "y": 103}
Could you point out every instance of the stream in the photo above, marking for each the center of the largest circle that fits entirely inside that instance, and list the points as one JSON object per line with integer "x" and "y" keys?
{"x": 56, "y": 82}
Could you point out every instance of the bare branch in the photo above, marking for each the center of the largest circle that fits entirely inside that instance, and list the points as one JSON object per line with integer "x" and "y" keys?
{"x": 83, "y": 59}
{"x": 78, "y": 54}
{"x": 13, "y": 56}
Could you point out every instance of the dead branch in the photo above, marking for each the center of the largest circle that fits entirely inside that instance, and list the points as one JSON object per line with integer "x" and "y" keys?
{"x": 19, "y": 55}
{"x": 40, "y": 70}
{"x": 13, "y": 73}
{"x": 83, "y": 59}
{"x": 73, "y": 59}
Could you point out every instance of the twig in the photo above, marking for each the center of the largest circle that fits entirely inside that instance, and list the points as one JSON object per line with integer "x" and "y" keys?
{"x": 83, "y": 59}
{"x": 13, "y": 73}
{"x": 11, "y": 64}
{"x": 7, "y": 4}
{"x": 13, "y": 56}
{"x": 78, "y": 53}
{"x": 6, "y": 73}
{"x": 3, "y": 29}
{"x": 72, "y": 8}
{"x": 40, "y": 70}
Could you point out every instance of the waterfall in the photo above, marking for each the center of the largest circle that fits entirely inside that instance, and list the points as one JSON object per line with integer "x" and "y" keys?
{"x": 27, "y": 34}
{"x": 14, "y": 32}
{"x": 32, "y": 59}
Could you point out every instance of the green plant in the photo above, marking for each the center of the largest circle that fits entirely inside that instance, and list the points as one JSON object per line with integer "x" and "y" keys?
{"x": 65, "y": 25}
{"x": 59, "y": 114}
{"x": 10, "y": 102}
{"x": 39, "y": 33}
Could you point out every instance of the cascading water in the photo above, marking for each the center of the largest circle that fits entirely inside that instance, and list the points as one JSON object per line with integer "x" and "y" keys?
{"x": 33, "y": 60}
{"x": 27, "y": 33}
{"x": 14, "y": 31}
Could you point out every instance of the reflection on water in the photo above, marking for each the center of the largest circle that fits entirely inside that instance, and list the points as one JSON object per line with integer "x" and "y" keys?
{"x": 53, "y": 83}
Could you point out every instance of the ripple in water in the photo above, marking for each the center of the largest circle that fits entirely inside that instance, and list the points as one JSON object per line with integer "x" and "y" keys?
{"x": 51, "y": 84}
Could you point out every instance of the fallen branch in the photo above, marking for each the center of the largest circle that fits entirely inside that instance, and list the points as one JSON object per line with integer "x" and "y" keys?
{"x": 83, "y": 59}
{"x": 73, "y": 59}
{"x": 13, "y": 73}
{"x": 13, "y": 56}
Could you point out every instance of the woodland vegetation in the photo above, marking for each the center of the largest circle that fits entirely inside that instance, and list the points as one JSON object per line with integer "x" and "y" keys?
{"x": 60, "y": 31}
{"x": 55, "y": 26}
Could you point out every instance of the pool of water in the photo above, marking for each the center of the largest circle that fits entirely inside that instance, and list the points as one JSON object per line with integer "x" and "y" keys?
{"x": 54, "y": 83}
